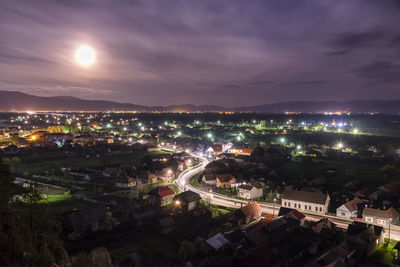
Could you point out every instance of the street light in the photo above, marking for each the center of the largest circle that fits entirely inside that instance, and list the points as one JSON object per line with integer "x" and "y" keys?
{"x": 209, "y": 135}
{"x": 282, "y": 140}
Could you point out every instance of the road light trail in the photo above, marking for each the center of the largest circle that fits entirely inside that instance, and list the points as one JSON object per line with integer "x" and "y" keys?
{"x": 219, "y": 199}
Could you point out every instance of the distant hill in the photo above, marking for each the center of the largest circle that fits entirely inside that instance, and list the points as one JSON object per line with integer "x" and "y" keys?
{"x": 20, "y": 102}
{"x": 355, "y": 106}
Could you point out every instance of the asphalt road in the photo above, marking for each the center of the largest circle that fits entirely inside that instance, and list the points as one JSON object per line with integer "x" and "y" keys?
{"x": 273, "y": 209}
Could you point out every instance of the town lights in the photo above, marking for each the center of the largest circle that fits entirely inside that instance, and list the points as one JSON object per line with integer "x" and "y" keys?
{"x": 340, "y": 145}
{"x": 298, "y": 147}
{"x": 355, "y": 130}
{"x": 179, "y": 133}
{"x": 125, "y": 129}
{"x": 177, "y": 202}
{"x": 169, "y": 172}
{"x": 282, "y": 140}
{"x": 187, "y": 150}
{"x": 209, "y": 135}
{"x": 238, "y": 138}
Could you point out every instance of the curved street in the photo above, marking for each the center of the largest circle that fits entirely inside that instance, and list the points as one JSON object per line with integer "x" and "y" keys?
{"x": 183, "y": 182}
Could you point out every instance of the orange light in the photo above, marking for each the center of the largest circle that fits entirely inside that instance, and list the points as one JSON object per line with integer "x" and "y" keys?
{"x": 177, "y": 202}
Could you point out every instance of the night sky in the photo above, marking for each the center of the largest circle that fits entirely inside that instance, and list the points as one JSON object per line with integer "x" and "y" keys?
{"x": 228, "y": 53}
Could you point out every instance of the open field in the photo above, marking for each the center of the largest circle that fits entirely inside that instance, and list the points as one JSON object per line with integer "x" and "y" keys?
{"x": 53, "y": 161}
{"x": 367, "y": 173}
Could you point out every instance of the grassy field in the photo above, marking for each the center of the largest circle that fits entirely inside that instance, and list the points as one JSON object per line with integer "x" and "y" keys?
{"x": 367, "y": 173}
{"x": 384, "y": 254}
{"x": 53, "y": 161}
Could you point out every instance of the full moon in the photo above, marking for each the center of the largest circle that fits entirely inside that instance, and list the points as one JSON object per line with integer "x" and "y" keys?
{"x": 85, "y": 56}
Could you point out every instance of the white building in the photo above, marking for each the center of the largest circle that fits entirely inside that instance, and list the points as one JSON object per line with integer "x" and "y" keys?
{"x": 380, "y": 217}
{"x": 313, "y": 202}
{"x": 251, "y": 191}
{"x": 349, "y": 209}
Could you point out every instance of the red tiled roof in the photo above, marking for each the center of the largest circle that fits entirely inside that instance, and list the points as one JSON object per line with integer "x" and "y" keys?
{"x": 298, "y": 215}
{"x": 165, "y": 191}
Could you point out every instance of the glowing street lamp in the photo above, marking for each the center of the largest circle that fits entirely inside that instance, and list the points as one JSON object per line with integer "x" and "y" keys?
{"x": 179, "y": 133}
{"x": 177, "y": 203}
{"x": 209, "y": 135}
{"x": 282, "y": 140}
{"x": 298, "y": 147}
{"x": 355, "y": 131}
{"x": 340, "y": 145}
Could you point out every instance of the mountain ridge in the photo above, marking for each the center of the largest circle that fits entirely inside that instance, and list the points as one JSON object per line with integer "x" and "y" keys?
{"x": 19, "y": 101}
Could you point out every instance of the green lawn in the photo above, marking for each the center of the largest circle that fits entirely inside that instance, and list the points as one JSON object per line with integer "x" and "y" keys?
{"x": 384, "y": 254}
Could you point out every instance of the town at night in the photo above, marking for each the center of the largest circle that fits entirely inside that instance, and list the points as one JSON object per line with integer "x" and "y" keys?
{"x": 200, "y": 133}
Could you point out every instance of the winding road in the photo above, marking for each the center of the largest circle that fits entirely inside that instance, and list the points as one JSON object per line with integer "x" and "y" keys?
{"x": 183, "y": 183}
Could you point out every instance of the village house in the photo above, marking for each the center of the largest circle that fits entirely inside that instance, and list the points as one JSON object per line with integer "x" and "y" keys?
{"x": 186, "y": 201}
{"x": 241, "y": 151}
{"x": 380, "y": 217}
{"x": 391, "y": 187}
{"x": 209, "y": 179}
{"x": 251, "y": 191}
{"x": 351, "y": 209}
{"x": 314, "y": 202}
{"x": 81, "y": 223}
{"x": 161, "y": 195}
{"x": 124, "y": 181}
{"x": 292, "y": 213}
{"x": 248, "y": 213}
{"x": 225, "y": 180}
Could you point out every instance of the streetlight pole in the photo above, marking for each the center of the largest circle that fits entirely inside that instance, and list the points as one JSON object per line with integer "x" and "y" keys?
{"x": 273, "y": 208}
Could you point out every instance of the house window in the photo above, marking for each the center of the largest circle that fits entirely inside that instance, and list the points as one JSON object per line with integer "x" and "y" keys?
{"x": 284, "y": 203}
{"x": 288, "y": 204}
{"x": 299, "y": 206}
{"x": 343, "y": 213}
{"x": 316, "y": 208}
{"x": 309, "y": 207}
{"x": 369, "y": 219}
{"x": 383, "y": 222}
{"x": 295, "y": 205}
{"x": 320, "y": 209}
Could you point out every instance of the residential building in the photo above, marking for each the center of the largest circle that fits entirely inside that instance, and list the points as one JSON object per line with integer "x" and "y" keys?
{"x": 314, "y": 202}
{"x": 186, "y": 201}
{"x": 225, "y": 180}
{"x": 247, "y": 213}
{"x": 209, "y": 179}
{"x": 292, "y": 213}
{"x": 161, "y": 195}
{"x": 351, "y": 209}
{"x": 251, "y": 191}
{"x": 380, "y": 217}
{"x": 124, "y": 181}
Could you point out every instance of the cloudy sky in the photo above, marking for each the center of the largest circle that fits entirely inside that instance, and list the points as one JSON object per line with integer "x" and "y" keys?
{"x": 228, "y": 53}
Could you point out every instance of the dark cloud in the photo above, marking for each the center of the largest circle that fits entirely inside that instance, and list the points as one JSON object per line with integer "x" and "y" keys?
{"x": 308, "y": 82}
{"x": 260, "y": 82}
{"x": 237, "y": 52}
{"x": 383, "y": 71}
{"x": 347, "y": 42}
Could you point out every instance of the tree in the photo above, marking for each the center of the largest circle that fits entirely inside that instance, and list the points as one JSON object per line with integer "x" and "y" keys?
{"x": 27, "y": 237}
{"x": 187, "y": 250}
{"x": 389, "y": 171}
